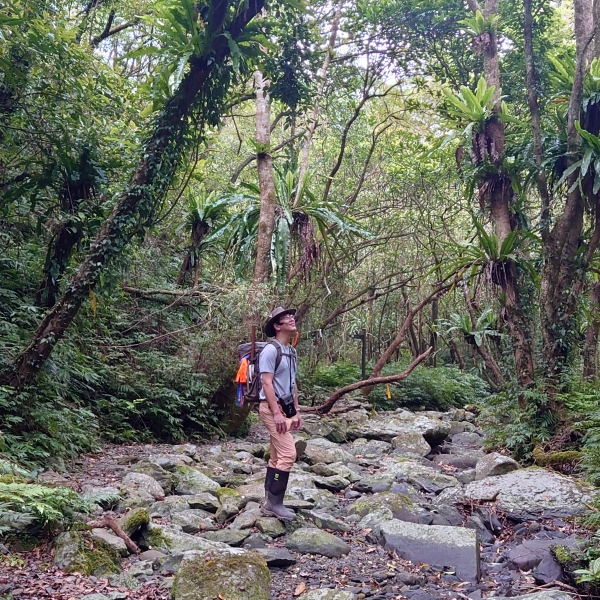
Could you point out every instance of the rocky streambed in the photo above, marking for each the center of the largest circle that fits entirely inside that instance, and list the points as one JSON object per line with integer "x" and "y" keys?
{"x": 390, "y": 506}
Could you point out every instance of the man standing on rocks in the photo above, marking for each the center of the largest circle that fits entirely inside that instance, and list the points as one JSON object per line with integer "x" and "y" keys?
{"x": 278, "y": 409}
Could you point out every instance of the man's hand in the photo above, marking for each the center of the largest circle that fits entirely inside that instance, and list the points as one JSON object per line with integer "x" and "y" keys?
{"x": 280, "y": 422}
{"x": 297, "y": 424}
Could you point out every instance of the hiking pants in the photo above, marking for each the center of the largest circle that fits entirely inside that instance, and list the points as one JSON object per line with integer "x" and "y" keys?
{"x": 283, "y": 449}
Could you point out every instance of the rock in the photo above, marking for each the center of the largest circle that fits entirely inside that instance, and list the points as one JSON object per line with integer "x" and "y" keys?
{"x": 449, "y": 546}
{"x": 143, "y": 483}
{"x": 412, "y": 442}
{"x": 335, "y": 483}
{"x": 270, "y": 526}
{"x": 530, "y": 553}
{"x": 276, "y": 557}
{"x": 325, "y": 521}
{"x": 475, "y": 522}
{"x": 170, "y": 461}
{"x": 164, "y": 478}
{"x": 320, "y": 450}
{"x": 548, "y": 570}
{"x": 424, "y": 476}
{"x": 369, "y": 448}
{"x": 230, "y": 496}
{"x": 316, "y": 541}
{"x": 231, "y": 537}
{"x": 467, "y": 476}
{"x": 187, "y": 449}
{"x": 111, "y": 540}
{"x": 246, "y": 519}
{"x": 189, "y": 481}
{"x": 468, "y": 439}
{"x": 374, "y": 519}
{"x": 72, "y": 554}
{"x": 193, "y": 521}
{"x": 151, "y": 555}
{"x": 400, "y": 506}
{"x": 235, "y": 577}
{"x": 495, "y": 464}
{"x": 252, "y": 492}
{"x": 402, "y": 422}
{"x": 94, "y": 597}
{"x": 549, "y": 595}
{"x": 458, "y": 462}
{"x": 378, "y": 482}
{"x": 226, "y": 512}
{"x": 171, "y": 540}
{"x": 528, "y": 490}
{"x": 169, "y": 506}
{"x": 445, "y": 515}
{"x": 327, "y": 594}
{"x": 204, "y": 501}
{"x": 133, "y": 520}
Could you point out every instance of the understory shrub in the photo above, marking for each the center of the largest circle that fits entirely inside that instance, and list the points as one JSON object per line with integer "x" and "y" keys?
{"x": 426, "y": 388}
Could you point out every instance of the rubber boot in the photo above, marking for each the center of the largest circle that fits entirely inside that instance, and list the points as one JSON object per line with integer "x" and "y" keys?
{"x": 275, "y": 485}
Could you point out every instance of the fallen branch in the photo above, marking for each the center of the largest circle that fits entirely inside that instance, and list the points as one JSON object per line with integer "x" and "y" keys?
{"x": 335, "y": 411}
{"x": 179, "y": 293}
{"x": 109, "y": 521}
{"x": 328, "y": 404}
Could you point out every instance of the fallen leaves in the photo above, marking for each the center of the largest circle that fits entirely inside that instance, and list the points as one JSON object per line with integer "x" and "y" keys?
{"x": 300, "y": 589}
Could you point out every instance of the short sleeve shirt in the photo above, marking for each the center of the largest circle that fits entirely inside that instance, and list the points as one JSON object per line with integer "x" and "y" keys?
{"x": 284, "y": 378}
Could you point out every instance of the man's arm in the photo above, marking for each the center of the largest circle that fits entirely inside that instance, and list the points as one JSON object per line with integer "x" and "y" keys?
{"x": 269, "y": 390}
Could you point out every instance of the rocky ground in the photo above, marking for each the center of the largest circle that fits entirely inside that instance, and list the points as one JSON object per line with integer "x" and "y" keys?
{"x": 390, "y": 506}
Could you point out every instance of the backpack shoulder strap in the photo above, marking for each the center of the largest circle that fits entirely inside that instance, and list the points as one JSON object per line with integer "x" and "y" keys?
{"x": 279, "y": 353}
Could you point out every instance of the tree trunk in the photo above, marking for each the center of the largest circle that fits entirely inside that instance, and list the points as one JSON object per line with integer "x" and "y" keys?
{"x": 314, "y": 117}
{"x": 191, "y": 260}
{"x": 562, "y": 267}
{"x": 495, "y": 191}
{"x": 590, "y": 348}
{"x": 136, "y": 205}
{"x": 266, "y": 181}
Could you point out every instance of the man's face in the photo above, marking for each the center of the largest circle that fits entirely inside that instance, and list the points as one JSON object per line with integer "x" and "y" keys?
{"x": 287, "y": 324}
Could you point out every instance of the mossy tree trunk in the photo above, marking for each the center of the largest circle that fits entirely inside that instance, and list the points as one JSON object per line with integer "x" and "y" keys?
{"x": 206, "y": 81}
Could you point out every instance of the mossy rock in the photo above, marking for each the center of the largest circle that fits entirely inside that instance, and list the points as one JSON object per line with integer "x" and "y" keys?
{"x": 400, "y": 505}
{"x": 556, "y": 459}
{"x": 241, "y": 575}
{"x": 134, "y": 520}
{"x": 230, "y": 496}
{"x": 75, "y": 553}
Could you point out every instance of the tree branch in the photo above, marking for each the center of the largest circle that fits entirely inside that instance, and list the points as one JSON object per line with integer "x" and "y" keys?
{"x": 108, "y": 32}
{"x": 328, "y": 404}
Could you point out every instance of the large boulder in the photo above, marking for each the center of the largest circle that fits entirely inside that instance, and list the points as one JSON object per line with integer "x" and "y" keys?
{"x": 242, "y": 575}
{"x": 164, "y": 478}
{"x": 189, "y": 481}
{"x": 400, "y": 506}
{"x": 315, "y": 541}
{"x": 455, "y": 547}
{"x": 140, "y": 482}
{"x": 546, "y": 595}
{"x": 172, "y": 540}
{"x": 531, "y": 489}
{"x": 320, "y": 450}
{"x": 75, "y": 553}
{"x": 327, "y": 594}
{"x": 493, "y": 464}
{"x": 388, "y": 426}
{"x": 412, "y": 442}
{"x": 193, "y": 521}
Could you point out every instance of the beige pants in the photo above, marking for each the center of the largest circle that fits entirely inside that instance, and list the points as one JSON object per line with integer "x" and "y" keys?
{"x": 283, "y": 450}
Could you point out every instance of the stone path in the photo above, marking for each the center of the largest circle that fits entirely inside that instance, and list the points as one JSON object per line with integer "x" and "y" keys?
{"x": 390, "y": 506}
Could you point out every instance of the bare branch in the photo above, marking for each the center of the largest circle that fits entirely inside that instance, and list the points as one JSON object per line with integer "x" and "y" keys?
{"x": 328, "y": 404}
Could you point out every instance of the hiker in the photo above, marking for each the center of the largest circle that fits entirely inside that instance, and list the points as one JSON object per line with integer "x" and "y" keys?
{"x": 278, "y": 409}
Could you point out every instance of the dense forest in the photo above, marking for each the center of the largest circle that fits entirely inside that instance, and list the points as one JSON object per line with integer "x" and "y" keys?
{"x": 422, "y": 175}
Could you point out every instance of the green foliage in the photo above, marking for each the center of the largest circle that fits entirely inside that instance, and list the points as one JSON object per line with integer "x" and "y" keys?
{"x": 591, "y": 573}
{"x": 518, "y": 420}
{"x": 38, "y": 507}
{"x": 430, "y": 388}
{"x": 479, "y": 25}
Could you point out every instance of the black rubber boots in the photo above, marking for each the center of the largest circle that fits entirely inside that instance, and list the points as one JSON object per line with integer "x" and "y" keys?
{"x": 276, "y": 483}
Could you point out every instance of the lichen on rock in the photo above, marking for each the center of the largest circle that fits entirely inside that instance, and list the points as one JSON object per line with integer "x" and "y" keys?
{"x": 242, "y": 575}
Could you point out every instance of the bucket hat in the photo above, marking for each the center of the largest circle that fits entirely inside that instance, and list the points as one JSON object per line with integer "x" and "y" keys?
{"x": 274, "y": 317}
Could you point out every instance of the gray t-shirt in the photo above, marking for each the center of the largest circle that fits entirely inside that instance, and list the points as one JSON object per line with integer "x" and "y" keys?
{"x": 285, "y": 377}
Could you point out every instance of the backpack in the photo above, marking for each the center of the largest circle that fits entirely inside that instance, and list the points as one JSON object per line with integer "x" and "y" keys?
{"x": 248, "y": 375}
